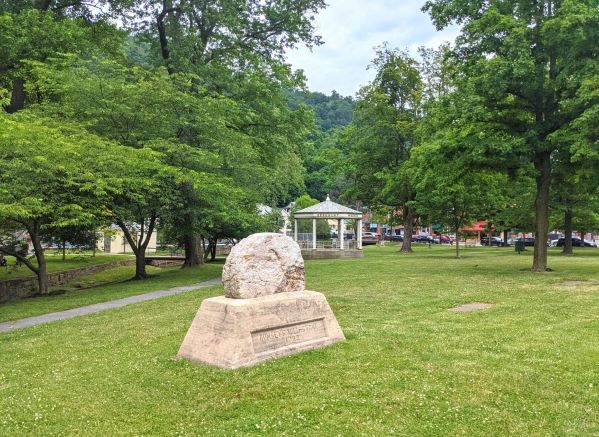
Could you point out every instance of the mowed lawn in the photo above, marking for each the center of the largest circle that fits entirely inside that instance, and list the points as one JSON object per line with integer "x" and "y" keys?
{"x": 55, "y": 263}
{"x": 105, "y": 286}
{"x": 527, "y": 366}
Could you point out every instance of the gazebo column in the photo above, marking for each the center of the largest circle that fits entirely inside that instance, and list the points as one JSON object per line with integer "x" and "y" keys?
{"x": 359, "y": 236}
{"x": 341, "y": 233}
{"x": 295, "y": 230}
{"x": 313, "y": 233}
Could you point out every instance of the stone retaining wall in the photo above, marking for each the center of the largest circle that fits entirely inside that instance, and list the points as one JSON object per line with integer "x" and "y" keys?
{"x": 27, "y": 287}
{"x": 223, "y": 250}
{"x": 164, "y": 262}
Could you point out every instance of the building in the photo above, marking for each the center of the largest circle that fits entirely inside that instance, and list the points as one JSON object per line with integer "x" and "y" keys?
{"x": 113, "y": 241}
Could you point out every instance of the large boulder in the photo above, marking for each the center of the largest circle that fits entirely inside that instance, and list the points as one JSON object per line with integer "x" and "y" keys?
{"x": 263, "y": 264}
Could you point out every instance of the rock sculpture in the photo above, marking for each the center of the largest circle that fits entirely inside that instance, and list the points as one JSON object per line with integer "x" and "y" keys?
{"x": 266, "y": 312}
{"x": 263, "y": 264}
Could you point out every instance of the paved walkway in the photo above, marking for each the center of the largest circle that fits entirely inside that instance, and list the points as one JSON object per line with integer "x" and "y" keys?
{"x": 95, "y": 308}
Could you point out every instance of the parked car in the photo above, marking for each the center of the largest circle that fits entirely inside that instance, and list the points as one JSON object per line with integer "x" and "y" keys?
{"x": 552, "y": 242}
{"x": 369, "y": 238}
{"x": 389, "y": 237}
{"x": 576, "y": 242}
{"x": 495, "y": 241}
{"x": 422, "y": 239}
{"x": 443, "y": 239}
{"x": 528, "y": 241}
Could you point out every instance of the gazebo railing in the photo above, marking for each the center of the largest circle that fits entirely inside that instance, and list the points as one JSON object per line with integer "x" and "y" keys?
{"x": 327, "y": 244}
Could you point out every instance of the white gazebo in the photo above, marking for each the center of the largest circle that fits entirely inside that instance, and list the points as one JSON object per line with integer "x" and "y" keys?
{"x": 333, "y": 248}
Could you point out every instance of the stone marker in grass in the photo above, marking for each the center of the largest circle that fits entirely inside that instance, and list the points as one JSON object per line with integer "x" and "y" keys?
{"x": 468, "y": 307}
{"x": 265, "y": 313}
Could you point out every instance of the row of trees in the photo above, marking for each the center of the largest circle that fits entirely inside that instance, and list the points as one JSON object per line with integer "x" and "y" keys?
{"x": 501, "y": 127}
{"x": 179, "y": 118}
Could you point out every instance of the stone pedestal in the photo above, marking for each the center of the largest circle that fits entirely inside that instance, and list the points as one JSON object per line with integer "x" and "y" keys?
{"x": 232, "y": 333}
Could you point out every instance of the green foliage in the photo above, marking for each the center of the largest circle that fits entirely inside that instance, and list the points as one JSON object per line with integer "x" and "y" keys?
{"x": 236, "y": 49}
{"x": 87, "y": 9}
{"x": 517, "y": 211}
{"x": 325, "y": 160}
{"x": 209, "y": 35}
{"x": 331, "y": 112}
{"x": 522, "y": 72}
{"x": 44, "y": 185}
{"x": 323, "y": 154}
{"x": 451, "y": 195}
{"x": 383, "y": 133}
{"x": 42, "y": 179}
{"x": 227, "y": 172}
{"x": 81, "y": 237}
{"x": 36, "y": 35}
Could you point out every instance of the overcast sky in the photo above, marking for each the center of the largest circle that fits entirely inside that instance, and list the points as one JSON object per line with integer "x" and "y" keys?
{"x": 351, "y": 29}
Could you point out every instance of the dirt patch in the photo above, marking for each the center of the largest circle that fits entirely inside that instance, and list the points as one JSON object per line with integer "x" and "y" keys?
{"x": 473, "y": 306}
{"x": 573, "y": 283}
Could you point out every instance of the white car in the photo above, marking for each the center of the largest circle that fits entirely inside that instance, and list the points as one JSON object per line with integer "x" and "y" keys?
{"x": 369, "y": 238}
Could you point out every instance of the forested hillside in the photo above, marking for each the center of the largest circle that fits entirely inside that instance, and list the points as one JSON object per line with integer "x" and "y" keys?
{"x": 331, "y": 111}
{"x": 322, "y": 155}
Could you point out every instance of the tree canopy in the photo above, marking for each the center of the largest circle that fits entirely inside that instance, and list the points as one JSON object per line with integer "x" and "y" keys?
{"x": 521, "y": 70}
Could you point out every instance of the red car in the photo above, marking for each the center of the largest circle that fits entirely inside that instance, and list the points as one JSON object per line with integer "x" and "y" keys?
{"x": 444, "y": 239}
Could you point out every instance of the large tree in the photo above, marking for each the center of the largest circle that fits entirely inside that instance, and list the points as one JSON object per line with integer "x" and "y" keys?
{"x": 140, "y": 190}
{"x": 451, "y": 194}
{"x": 521, "y": 65}
{"x": 236, "y": 49}
{"x": 194, "y": 129}
{"x": 382, "y": 135}
{"x": 38, "y": 30}
{"x": 194, "y": 34}
{"x": 44, "y": 185}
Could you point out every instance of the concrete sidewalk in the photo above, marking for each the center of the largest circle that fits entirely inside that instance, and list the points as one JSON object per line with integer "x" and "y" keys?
{"x": 95, "y": 308}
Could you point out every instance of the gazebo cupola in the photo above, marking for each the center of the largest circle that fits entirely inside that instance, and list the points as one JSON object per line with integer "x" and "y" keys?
{"x": 330, "y": 248}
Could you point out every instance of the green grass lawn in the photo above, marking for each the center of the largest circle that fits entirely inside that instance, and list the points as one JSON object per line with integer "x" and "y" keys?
{"x": 56, "y": 264}
{"x": 107, "y": 285}
{"x": 527, "y": 366}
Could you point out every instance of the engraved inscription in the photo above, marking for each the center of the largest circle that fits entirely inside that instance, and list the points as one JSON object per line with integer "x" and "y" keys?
{"x": 275, "y": 338}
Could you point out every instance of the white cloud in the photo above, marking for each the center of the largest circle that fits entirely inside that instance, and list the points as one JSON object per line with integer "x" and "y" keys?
{"x": 351, "y": 29}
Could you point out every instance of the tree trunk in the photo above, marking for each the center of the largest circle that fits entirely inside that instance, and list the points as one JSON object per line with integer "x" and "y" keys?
{"x": 193, "y": 254}
{"x": 44, "y": 5}
{"x": 41, "y": 271}
{"x": 457, "y": 244}
{"x": 167, "y": 8}
{"x": 64, "y": 250}
{"x": 505, "y": 237}
{"x": 42, "y": 278}
{"x": 140, "y": 265}
{"x": 543, "y": 180}
{"x": 568, "y": 233}
{"x": 17, "y": 98}
{"x": 139, "y": 247}
{"x": 408, "y": 230}
{"x": 213, "y": 249}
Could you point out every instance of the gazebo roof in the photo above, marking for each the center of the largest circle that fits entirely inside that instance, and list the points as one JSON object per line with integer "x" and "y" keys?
{"x": 328, "y": 209}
